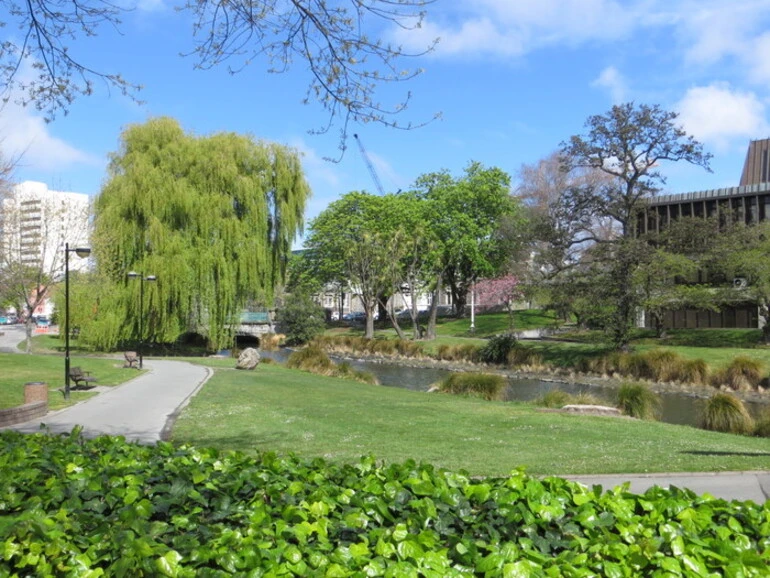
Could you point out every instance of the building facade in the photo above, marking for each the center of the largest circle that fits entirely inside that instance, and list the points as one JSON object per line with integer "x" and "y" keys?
{"x": 36, "y": 224}
{"x": 748, "y": 202}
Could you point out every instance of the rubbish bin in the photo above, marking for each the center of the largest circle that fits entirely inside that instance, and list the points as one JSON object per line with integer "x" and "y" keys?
{"x": 35, "y": 391}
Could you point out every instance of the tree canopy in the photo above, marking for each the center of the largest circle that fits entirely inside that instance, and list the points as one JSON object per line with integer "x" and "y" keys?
{"x": 340, "y": 43}
{"x": 213, "y": 218}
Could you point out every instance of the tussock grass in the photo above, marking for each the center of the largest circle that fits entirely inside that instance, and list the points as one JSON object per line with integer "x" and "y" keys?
{"x": 694, "y": 371}
{"x": 555, "y": 398}
{"x": 741, "y": 374}
{"x": 637, "y": 400}
{"x": 523, "y": 356}
{"x": 484, "y": 385}
{"x": 762, "y": 424}
{"x": 314, "y": 360}
{"x": 723, "y": 412}
{"x": 464, "y": 352}
{"x": 271, "y": 341}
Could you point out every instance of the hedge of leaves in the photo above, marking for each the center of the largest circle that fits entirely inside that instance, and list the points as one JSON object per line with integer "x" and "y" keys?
{"x": 103, "y": 507}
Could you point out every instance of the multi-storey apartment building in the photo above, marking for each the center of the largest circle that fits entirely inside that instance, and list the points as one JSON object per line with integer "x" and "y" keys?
{"x": 749, "y": 202}
{"x": 36, "y": 223}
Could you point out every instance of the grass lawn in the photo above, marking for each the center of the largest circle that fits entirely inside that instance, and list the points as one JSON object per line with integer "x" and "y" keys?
{"x": 18, "y": 369}
{"x": 282, "y": 410}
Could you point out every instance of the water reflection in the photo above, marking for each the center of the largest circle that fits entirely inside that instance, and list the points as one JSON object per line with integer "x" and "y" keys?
{"x": 676, "y": 408}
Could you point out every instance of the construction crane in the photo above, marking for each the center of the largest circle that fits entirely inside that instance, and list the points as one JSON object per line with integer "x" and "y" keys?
{"x": 369, "y": 165}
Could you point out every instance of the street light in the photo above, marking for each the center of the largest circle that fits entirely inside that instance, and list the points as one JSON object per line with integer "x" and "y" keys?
{"x": 142, "y": 279}
{"x": 81, "y": 252}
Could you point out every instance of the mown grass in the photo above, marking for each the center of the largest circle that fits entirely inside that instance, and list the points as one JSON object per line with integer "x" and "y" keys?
{"x": 278, "y": 409}
{"x": 18, "y": 369}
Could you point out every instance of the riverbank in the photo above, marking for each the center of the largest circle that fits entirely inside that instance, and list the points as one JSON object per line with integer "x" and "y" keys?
{"x": 561, "y": 376}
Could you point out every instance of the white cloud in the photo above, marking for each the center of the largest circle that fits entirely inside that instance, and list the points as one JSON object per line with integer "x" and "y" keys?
{"x": 25, "y": 136}
{"x": 717, "y": 114}
{"x": 611, "y": 79}
{"x": 506, "y": 28}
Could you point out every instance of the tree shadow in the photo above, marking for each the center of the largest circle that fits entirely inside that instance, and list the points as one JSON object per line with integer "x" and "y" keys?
{"x": 723, "y": 453}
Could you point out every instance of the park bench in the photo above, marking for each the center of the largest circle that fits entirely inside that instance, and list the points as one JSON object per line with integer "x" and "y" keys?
{"x": 80, "y": 377}
{"x": 132, "y": 359}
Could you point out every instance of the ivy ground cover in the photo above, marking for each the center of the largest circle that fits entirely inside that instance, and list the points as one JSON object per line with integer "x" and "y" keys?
{"x": 103, "y": 507}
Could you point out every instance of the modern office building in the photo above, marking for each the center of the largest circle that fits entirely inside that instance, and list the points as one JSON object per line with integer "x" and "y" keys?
{"x": 749, "y": 202}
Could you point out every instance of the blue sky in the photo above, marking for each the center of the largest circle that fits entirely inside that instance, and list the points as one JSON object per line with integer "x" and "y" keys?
{"x": 511, "y": 79}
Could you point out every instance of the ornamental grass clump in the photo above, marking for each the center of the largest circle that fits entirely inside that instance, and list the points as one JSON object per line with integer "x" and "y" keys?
{"x": 484, "y": 385}
{"x": 639, "y": 401}
{"x": 311, "y": 358}
{"x": 524, "y": 356}
{"x": 346, "y": 371}
{"x": 555, "y": 398}
{"x": 742, "y": 373}
{"x": 723, "y": 412}
{"x": 762, "y": 425}
{"x": 694, "y": 371}
{"x": 662, "y": 365}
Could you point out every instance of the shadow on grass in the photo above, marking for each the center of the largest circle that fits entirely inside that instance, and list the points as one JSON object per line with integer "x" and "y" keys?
{"x": 722, "y": 453}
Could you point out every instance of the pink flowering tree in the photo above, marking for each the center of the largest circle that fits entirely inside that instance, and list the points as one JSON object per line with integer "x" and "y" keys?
{"x": 501, "y": 291}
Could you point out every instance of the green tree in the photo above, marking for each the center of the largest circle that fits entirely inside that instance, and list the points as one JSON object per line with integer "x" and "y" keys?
{"x": 465, "y": 215}
{"x": 300, "y": 318}
{"x": 346, "y": 241}
{"x": 628, "y": 144}
{"x": 213, "y": 218}
{"x": 742, "y": 252}
{"x": 338, "y": 42}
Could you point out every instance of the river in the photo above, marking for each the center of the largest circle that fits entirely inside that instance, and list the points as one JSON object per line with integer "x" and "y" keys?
{"x": 682, "y": 408}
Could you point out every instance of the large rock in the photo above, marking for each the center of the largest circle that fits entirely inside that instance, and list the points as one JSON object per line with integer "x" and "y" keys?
{"x": 248, "y": 359}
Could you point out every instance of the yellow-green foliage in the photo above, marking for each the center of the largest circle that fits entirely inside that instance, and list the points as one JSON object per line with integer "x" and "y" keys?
{"x": 519, "y": 356}
{"x": 485, "y": 385}
{"x": 694, "y": 371}
{"x": 554, "y": 398}
{"x": 314, "y": 360}
{"x": 762, "y": 425}
{"x": 723, "y": 412}
{"x": 637, "y": 400}
{"x": 466, "y": 352}
{"x": 740, "y": 374}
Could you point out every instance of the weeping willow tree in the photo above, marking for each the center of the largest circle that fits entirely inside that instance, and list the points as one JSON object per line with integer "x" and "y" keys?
{"x": 212, "y": 218}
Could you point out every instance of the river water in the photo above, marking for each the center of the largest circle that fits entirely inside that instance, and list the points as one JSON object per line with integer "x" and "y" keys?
{"x": 681, "y": 408}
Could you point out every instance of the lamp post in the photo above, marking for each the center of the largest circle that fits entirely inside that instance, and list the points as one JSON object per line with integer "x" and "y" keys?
{"x": 142, "y": 279}
{"x": 81, "y": 252}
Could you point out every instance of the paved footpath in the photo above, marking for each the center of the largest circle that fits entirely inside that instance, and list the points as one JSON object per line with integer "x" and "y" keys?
{"x": 142, "y": 409}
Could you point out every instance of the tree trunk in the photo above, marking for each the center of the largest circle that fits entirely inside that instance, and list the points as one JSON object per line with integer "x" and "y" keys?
{"x": 28, "y": 325}
{"x": 430, "y": 332}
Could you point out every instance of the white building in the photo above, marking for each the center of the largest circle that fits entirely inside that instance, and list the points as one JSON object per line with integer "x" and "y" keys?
{"x": 37, "y": 223}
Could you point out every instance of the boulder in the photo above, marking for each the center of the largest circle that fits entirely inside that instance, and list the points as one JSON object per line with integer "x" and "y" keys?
{"x": 248, "y": 359}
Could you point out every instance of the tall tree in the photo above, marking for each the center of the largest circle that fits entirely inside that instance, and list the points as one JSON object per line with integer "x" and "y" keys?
{"x": 466, "y": 214}
{"x": 628, "y": 144}
{"x": 347, "y": 241}
{"x": 213, "y": 218}
{"x": 339, "y": 42}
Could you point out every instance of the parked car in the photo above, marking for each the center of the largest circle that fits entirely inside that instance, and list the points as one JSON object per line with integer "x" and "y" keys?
{"x": 4, "y": 320}
{"x": 42, "y": 321}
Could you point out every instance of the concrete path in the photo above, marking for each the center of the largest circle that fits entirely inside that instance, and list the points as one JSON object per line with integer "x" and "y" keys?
{"x": 742, "y": 486}
{"x": 142, "y": 409}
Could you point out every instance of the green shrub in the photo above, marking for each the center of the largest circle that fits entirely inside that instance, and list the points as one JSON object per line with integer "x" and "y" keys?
{"x": 300, "y": 319}
{"x": 497, "y": 348}
{"x": 723, "y": 412}
{"x": 637, "y": 400}
{"x": 485, "y": 385}
{"x": 740, "y": 374}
